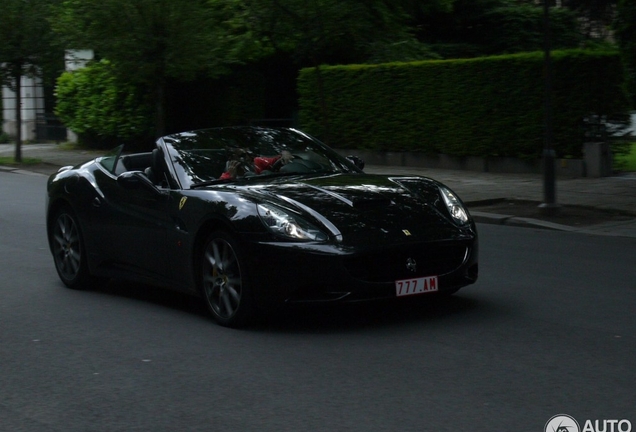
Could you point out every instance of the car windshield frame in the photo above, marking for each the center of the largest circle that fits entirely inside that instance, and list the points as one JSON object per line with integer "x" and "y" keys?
{"x": 203, "y": 157}
{"x": 110, "y": 160}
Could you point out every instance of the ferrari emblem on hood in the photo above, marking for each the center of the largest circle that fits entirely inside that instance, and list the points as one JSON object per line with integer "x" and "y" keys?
{"x": 182, "y": 202}
{"x": 411, "y": 264}
{"x": 406, "y": 232}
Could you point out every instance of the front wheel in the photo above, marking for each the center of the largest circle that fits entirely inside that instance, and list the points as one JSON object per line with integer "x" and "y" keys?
{"x": 69, "y": 253}
{"x": 224, "y": 281}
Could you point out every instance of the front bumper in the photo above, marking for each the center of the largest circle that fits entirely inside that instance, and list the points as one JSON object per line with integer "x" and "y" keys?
{"x": 310, "y": 272}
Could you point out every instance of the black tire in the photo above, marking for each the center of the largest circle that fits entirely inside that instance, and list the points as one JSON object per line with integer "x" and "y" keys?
{"x": 69, "y": 253}
{"x": 224, "y": 281}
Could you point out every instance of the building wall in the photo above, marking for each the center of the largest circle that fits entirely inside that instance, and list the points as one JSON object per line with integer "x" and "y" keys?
{"x": 32, "y": 104}
{"x": 33, "y": 99}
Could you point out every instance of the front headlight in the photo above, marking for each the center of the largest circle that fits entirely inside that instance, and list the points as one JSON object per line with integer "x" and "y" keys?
{"x": 287, "y": 224}
{"x": 455, "y": 207}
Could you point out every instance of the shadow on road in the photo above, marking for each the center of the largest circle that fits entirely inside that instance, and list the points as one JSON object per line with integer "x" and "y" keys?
{"x": 370, "y": 315}
{"x": 152, "y": 294}
{"x": 333, "y": 318}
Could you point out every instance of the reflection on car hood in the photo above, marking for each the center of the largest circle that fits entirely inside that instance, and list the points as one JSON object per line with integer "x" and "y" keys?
{"x": 367, "y": 207}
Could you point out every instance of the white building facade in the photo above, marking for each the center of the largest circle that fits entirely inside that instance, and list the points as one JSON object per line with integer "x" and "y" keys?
{"x": 32, "y": 107}
{"x": 33, "y": 110}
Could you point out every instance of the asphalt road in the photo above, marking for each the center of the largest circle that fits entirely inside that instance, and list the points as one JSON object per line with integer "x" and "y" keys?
{"x": 549, "y": 328}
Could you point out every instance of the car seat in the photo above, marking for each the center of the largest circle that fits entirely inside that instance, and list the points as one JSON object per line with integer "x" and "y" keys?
{"x": 157, "y": 171}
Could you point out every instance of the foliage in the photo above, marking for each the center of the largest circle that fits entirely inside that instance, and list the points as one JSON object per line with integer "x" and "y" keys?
{"x": 27, "y": 47}
{"x": 339, "y": 31}
{"x": 595, "y": 16}
{"x": 94, "y": 102}
{"x": 152, "y": 41}
{"x": 25, "y": 161}
{"x": 625, "y": 27}
{"x": 486, "y": 27}
{"x": 491, "y": 106}
{"x": 406, "y": 50}
{"x": 158, "y": 45}
{"x": 4, "y": 138}
{"x": 625, "y": 157}
{"x": 521, "y": 28}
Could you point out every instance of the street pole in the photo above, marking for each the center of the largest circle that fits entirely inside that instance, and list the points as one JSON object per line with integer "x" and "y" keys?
{"x": 549, "y": 205}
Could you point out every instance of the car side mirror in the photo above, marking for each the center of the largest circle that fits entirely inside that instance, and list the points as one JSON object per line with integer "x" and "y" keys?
{"x": 358, "y": 162}
{"x": 134, "y": 180}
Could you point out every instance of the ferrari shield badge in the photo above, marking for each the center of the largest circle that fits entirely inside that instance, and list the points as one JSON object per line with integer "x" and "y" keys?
{"x": 411, "y": 264}
{"x": 182, "y": 202}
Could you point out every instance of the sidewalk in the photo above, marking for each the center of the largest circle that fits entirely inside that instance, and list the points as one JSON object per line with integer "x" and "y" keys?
{"x": 617, "y": 193}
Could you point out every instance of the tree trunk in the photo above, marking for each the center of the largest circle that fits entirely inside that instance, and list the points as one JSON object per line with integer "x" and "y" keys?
{"x": 324, "y": 109}
{"x": 18, "y": 116}
{"x": 160, "y": 109}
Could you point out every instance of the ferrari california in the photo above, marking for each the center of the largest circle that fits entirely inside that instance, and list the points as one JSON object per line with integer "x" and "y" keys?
{"x": 252, "y": 218}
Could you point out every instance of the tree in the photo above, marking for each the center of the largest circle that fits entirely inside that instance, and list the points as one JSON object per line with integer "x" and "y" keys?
{"x": 517, "y": 28}
{"x": 317, "y": 32}
{"x": 596, "y": 16}
{"x": 27, "y": 47}
{"x": 337, "y": 31}
{"x": 625, "y": 27}
{"x": 151, "y": 41}
{"x": 418, "y": 13}
{"x": 485, "y": 27}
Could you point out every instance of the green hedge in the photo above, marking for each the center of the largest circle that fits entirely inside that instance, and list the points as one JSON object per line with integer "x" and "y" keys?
{"x": 490, "y": 106}
{"x": 93, "y": 103}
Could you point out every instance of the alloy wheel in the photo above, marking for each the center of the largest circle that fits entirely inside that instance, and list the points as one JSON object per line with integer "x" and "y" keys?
{"x": 222, "y": 281}
{"x": 67, "y": 247}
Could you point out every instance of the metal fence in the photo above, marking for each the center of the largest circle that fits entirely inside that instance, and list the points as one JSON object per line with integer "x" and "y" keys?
{"x": 49, "y": 128}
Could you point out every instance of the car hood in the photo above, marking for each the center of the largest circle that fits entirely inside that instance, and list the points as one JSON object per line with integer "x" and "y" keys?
{"x": 366, "y": 208}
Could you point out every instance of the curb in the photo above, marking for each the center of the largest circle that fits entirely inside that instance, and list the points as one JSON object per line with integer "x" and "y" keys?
{"x": 5, "y": 168}
{"x": 509, "y": 220}
{"x": 515, "y": 221}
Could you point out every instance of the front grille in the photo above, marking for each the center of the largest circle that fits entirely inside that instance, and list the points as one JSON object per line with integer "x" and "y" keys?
{"x": 387, "y": 265}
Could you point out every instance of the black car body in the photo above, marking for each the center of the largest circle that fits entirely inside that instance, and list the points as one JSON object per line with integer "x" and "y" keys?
{"x": 309, "y": 226}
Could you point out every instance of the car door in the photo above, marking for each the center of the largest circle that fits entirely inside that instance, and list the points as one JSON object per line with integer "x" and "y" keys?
{"x": 132, "y": 216}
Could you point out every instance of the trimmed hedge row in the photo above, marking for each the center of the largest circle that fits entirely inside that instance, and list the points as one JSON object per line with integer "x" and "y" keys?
{"x": 490, "y": 106}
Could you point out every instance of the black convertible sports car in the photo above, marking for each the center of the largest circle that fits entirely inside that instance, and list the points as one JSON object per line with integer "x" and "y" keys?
{"x": 252, "y": 218}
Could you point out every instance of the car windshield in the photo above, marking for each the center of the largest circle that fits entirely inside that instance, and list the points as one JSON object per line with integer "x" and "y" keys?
{"x": 110, "y": 160}
{"x": 241, "y": 153}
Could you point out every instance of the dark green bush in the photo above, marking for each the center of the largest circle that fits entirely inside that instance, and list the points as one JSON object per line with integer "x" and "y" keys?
{"x": 4, "y": 138}
{"x": 489, "y": 106}
{"x": 93, "y": 103}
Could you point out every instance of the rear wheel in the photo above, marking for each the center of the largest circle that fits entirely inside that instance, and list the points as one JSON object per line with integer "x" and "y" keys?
{"x": 224, "y": 282}
{"x": 69, "y": 253}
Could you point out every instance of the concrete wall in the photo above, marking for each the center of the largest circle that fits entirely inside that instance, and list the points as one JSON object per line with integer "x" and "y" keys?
{"x": 632, "y": 128}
